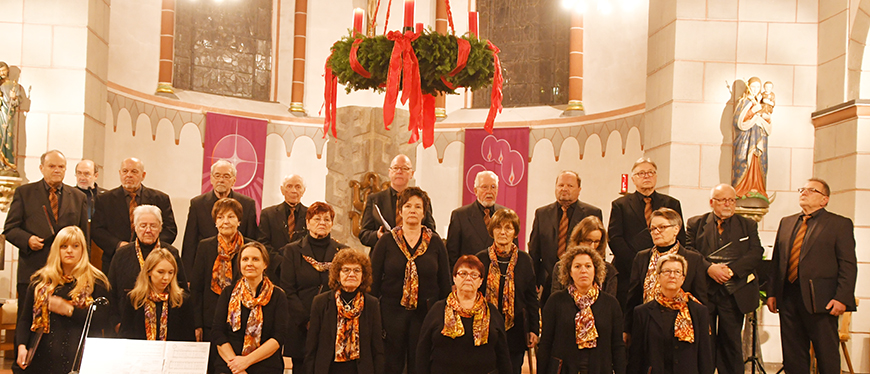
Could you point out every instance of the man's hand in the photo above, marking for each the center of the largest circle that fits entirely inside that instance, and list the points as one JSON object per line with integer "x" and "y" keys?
{"x": 198, "y": 334}
{"x": 35, "y": 242}
{"x": 837, "y": 308}
{"x": 122, "y": 243}
{"x": 533, "y": 340}
{"x": 771, "y": 304}
{"x": 626, "y": 338}
{"x": 381, "y": 232}
{"x": 720, "y": 273}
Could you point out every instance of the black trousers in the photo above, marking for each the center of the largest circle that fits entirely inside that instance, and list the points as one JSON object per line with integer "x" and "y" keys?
{"x": 402, "y": 330}
{"x": 799, "y": 327}
{"x": 622, "y": 280}
{"x": 726, "y": 323}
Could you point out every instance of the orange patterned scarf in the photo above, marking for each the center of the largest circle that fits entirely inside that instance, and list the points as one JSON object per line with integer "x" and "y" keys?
{"x": 411, "y": 283}
{"x": 151, "y": 329}
{"x": 244, "y": 295}
{"x": 139, "y": 252}
{"x": 222, "y": 271}
{"x": 584, "y": 320}
{"x": 493, "y": 278}
{"x": 651, "y": 281}
{"x": 317, "y": 265}
{"x": 453, "y": 322}
{"x": 347, "y": 327}
{"x": 683, "y": 329}
{"x": 41, "y": 314}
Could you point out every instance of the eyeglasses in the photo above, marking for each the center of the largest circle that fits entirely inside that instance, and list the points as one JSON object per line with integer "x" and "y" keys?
{"x": 222, "y": 176}
{"x": 646, "y": 174}
{"x": 810, "y": 189}
{"x": 672, "y": 273}
{"x": 725, "y": 201}
{"x": 466, "y": 274}
{"x": 660, "y": 228}
{"x": 346, "y": 271}
{"x": 591, "y": 242}
{"x": 146, "y": 226}
{"x": 400, "y": 169}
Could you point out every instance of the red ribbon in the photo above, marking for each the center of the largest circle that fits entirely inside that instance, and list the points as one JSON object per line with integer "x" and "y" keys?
{"x": 428, "y": 121}
{"x": 404, "y": 68}
{"x": 497, "y": 80}
{"x": 450, "y": 17}
{"x": 463, "y": 49}
{"x": 354, "y": 62}
{"x": 330, "y": 98}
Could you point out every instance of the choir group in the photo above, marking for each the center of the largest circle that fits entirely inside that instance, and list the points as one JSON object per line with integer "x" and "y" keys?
{"x": 672, "y": 300}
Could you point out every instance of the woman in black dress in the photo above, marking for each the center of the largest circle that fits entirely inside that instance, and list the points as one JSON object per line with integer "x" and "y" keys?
{"x": 464, "y": 334}
{"x": 509, "y": 284}
{"x": 251, "y": 319}
{"x": 671, "y": 333}
{"x": 591, "y": 232}
{"x": 305, "y": 274}
{"x": 57, "y": 303}
{"x": 345, "y": 336}
{"x": 411, "y": 274}
{"x": 216, "y": 264}
{"x": 158, "y": 308}
{"x": 582, "y": 326}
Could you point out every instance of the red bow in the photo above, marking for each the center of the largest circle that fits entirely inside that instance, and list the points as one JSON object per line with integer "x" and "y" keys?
{"x": 329, "y": 96}
{"x": 497, "y": 79}
{"x": 354, "y": 62}
{"x": 404, "y": 68}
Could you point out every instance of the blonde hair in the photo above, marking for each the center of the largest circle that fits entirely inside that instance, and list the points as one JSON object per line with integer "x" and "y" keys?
{"x": 84, "y": 273}
{"x": 144, "y": 287}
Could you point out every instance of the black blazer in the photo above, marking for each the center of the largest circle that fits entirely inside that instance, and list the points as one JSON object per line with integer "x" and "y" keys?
{"x": 827, "y": 256}
{"x": 122, "y": 276}
{"x": 525, "y": 299}
{"x": 695, "y": 282}
{"x": 610, "y": 280}
{"x": 467, "y": 234}
{"x": 654, "y": 330}
{"x": 702, "y": 236}
{"x": 274, "y": 327}
{"x": 558, "y": 337}
{"x": 111, "y": 222}
{"x": 200, "y": 225}
{"x": 628, "y": 233}
{"x": 273, "y": 230}
{"x": 437, "y": 353}
{"x": 544, "y": 240}
{"x": 27, "y": 216}
{"x": 302, "y": 283}
{"x": 179, "y": 322}
{"x": 368, "y": 233}
{"x": 201, "y": 295}
{"x": 320, "y": 345}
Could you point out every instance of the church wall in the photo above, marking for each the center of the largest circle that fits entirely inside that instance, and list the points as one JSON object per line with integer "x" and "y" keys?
{"x": 134, "y": 37}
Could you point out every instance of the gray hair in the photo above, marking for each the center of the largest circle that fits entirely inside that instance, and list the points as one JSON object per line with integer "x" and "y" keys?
{"x": 644, "y": 160}
{"x": 286, "y": 178}
{"x": 147, "y": 209}
{"x": 669, "y": 214}
{"x": 673, "y": 257}
{"x": 723, "y": 186}
{"x": 42, "y": 157}
{"x": 480, "y": 175}
{"x": 223, "y": 162}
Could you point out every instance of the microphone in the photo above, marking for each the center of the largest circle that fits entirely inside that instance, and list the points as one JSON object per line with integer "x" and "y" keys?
{"x": 101, "y": 301}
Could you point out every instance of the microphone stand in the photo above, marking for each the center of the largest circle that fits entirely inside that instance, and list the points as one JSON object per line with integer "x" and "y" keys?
{"x": 753, "y": 360}
{"x": 77, "y": 362}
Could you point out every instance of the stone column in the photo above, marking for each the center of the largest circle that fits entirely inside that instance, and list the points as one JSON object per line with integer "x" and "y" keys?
{"x": 167, "y": 48}
{"x": 300, "y": 27}
{"x": 441, "y": 28}
{"x": 575, "y": 66}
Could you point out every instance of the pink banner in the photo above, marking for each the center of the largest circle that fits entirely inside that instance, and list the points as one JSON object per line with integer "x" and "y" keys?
{"x": 241, "y": 141}
{"x": 504, "y": 152}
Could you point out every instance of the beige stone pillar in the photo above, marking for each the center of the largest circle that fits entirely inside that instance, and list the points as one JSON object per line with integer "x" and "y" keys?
{"x": 300, "y": 27}
{"x": 575, "y": 65}
{"x": 441, "y": 28}
{"x": 167, "y": 47}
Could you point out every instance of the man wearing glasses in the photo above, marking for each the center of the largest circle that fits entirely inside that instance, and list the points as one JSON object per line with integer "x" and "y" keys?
{"x": 112, "y": 225}
{"x": 732, "y": 251}
{"x": 371, "y": 228}
{"x": 200, "y": 224}
{"x": 467, "y": 233}
{"x": 629, "y": 221}
{"x": 813, "y": 280}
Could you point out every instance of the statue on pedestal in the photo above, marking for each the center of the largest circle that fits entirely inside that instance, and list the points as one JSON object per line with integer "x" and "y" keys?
{"x": 752, "y": 127}
{"x": 9, "y": 104}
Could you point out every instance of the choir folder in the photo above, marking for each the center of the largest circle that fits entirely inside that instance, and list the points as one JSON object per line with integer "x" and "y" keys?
{"x": 126, "y": 356}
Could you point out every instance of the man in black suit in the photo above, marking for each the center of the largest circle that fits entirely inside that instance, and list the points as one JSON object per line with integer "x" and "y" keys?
{"x": 401, "y": 172}
{"x": 112, "y": 225}
{"x": 38, "y": 211}
{"x": 813, "y": 280}
{"x": 552, "y": 227}
{"x": 86, "y": 181}
{"x": 732, "y": 251}
{"x": 275, "y": 230}
{"x": 201, "y": 225}
{"x": 629, "y": 222}
{"x": 467, "y": 233}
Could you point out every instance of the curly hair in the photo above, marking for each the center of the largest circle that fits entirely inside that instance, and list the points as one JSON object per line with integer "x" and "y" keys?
{"x": 350, "y": 256}
{"x": 568, "y": 258}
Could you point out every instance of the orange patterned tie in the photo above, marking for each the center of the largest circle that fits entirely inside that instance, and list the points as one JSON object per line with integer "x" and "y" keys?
{"x": 719, "y": 225}
{"x": 647, "y": 209}
{"x": 486, "y": 217}
{"x": 133, "y": 206}
{"x": 52, "y": 199}
{"x": 563, "y": 231}
{"x": 398, "y": 213}
{"x": 795, "y": 256}
{"x": 291, "y": 221}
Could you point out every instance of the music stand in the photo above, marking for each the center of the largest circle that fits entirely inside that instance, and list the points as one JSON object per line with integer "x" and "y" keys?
{"x": 77, "y": 362}
{"x": 762, "y": 274}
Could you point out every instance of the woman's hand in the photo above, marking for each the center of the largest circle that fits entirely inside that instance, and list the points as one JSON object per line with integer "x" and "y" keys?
{"x": 22, "y": 356}
{"x": 533, "y": 340}
{"x": 239, "y": 364}
{"x": 58, "y": 305}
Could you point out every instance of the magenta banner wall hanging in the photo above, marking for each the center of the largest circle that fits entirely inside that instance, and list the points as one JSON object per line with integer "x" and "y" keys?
{"x": 241, "y": 141}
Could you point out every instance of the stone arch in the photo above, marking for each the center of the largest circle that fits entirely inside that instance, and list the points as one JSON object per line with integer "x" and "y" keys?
{"x": 859, "y": 55}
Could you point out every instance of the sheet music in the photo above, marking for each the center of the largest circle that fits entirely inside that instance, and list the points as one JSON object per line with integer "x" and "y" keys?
{"x": 185, "y": 358}
{"x": 130, "y": 356}
{"x": 383, "y": 221}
